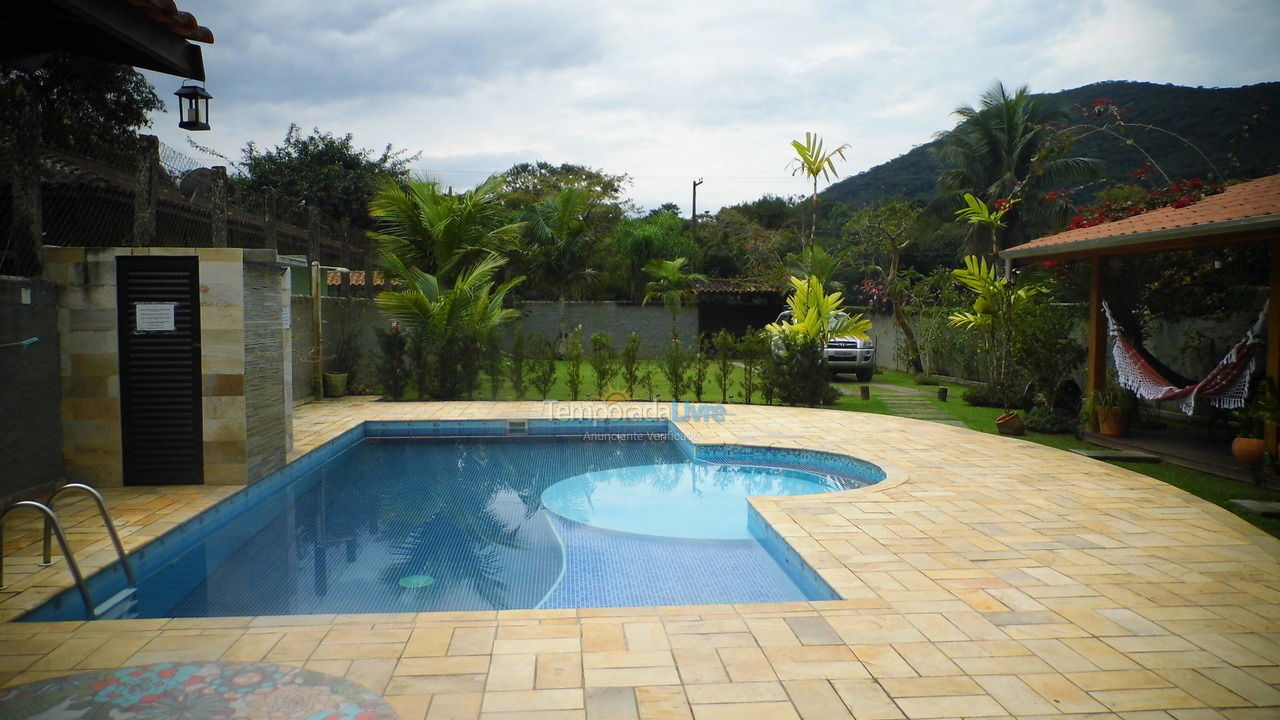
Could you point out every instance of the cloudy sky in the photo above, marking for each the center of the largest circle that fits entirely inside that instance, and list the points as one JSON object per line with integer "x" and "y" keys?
{"x": 672, "y": 91}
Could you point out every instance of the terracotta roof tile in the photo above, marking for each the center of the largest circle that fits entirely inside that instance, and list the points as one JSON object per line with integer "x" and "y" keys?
{"x": 180, "y": 23}
{"x": 357, "y": 278}
{"x": 1256, "y": 198}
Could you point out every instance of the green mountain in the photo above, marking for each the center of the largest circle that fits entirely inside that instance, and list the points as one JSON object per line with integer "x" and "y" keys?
{"x": 1237, "y": 128}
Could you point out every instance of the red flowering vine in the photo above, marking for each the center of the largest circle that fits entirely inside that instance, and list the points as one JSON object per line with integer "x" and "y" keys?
{"x": 1176, "y": 195}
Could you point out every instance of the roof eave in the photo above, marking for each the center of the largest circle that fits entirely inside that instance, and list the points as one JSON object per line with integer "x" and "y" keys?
{"x": 1130, "y": 243}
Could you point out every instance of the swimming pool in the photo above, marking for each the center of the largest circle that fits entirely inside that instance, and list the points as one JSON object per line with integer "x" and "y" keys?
{"x": 484, "y": 515}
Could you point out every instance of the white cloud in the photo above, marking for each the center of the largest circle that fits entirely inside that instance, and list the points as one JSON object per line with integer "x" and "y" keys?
{"x": 671, "y": 91}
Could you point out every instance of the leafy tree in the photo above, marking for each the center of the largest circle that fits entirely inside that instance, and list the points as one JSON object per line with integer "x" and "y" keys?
{"x": 573, "y": 356}
{"x": 630, "y": 364}
{"x": 530, "y": 183}
{"x": 495, "y": 362}
{"x": 754, "y": 348}
{"x": 436, "y": 232}
{"x": 672, "y": 285}
{"x": 604, "y": 362}
{"x": 1007, "y": 149}
{"x": 84, "y": 105}
{"x": 698, "y": 375}
{"x": 392, "y": 365}
{"x": 544, "y": 367}
{"x": 322, "y": 171}
{"x": 516, "y": 368}
{"x": 634, "y": 243}
{"x": 724, "y": 345}
{"x": 666, "y": 208}
{"x": 881, "y": 233}
{"x": 812, "y": 161}
{"x": 1044, "y": 349}
{"x": 675, "y": 367}
{"x": 771, "y": 212}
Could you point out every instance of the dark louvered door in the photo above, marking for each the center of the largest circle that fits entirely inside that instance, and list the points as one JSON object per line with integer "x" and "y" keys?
{"x": 160, "y": 370}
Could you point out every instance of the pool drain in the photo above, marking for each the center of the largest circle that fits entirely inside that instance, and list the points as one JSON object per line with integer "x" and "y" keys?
{"x": 417, "y": 581}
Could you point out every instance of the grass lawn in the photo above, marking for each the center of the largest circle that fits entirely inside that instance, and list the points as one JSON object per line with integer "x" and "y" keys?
{"x": 1215, "y": 489}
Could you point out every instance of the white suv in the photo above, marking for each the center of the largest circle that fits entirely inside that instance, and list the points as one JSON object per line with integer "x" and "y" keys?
{"x": 845, "y": 354}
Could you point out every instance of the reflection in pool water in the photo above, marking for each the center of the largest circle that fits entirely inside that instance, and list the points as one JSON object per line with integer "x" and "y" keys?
{"x": 683, "y": 500}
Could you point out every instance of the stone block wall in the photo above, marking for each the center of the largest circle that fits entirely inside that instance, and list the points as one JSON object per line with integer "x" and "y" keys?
{"x": 90, "y": 368}
{"x": 264, "y": 380}
{"x": 30, "y": 388}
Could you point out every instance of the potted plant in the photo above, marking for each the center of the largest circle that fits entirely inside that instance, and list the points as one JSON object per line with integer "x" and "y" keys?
{"x": 1250, "y": 423}
{"x": 346, "y": 349}
{"x": 1111, "y": 411}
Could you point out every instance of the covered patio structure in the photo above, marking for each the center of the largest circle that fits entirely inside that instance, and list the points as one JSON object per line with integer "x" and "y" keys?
{"x": 1243, "y": 214}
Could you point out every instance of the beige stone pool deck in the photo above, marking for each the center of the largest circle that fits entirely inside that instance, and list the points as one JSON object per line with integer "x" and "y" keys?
{"x": 987, "y": 577}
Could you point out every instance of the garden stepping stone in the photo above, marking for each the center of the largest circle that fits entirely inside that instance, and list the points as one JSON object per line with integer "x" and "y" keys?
{"x": 904, "y": 403}
{"x": 1261, "y": 507}
{"x": 1110, "y": 455}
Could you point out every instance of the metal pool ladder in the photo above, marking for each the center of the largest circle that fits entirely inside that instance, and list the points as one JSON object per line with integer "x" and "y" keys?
{"x": 53, "y": 527}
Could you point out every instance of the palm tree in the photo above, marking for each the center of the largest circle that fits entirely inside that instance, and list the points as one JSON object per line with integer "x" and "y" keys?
{"x": 557, "y": 253}
{"x": 672, "y": 285}
{"x": 1008, "y": 149}
{"x": 437, "y": 232}
{"x": 453, "y": 320}
{"x": 818, "y": 315}
{"x": 812, "y": 162}
{"x": 815, "y": 260}
{"x": 997, "y": 302}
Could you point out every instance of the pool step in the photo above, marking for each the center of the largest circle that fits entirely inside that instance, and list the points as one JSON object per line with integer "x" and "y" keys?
{"x": 122, "y": 605}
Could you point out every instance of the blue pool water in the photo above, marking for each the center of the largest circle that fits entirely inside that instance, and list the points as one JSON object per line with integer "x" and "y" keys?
{"x": 682, "y": 500}
{"x": 380, "y": 524}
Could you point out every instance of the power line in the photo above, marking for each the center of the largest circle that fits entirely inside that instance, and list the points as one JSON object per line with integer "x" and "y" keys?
{"x": 673, "y": 178}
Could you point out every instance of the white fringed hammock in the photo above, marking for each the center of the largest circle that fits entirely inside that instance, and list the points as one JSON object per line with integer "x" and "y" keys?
{"x": 1226, "y": 386}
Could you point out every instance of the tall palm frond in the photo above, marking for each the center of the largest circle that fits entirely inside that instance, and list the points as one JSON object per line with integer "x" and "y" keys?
{"x": 1002, "y": 150}
{"x": 438, "y": 231}
{"x": 813, "y": 161}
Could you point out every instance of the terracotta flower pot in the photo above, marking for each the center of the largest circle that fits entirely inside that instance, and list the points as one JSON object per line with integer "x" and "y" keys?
{"x": 1249, "y": 452}
{"x": 1011, "y": 423}
{"x": 1112, "y": 421}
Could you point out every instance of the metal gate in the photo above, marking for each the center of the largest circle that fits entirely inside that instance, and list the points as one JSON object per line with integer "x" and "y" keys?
{"x": 160, "y": 388}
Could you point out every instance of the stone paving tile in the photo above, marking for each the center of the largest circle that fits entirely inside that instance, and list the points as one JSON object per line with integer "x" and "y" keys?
{"x": 986, "y": 577}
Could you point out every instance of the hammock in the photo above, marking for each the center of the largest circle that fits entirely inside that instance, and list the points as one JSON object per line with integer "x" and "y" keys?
{"x": 1226, "y": 386}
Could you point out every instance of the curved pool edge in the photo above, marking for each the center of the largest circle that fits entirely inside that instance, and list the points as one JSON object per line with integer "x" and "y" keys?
{"x": 107, "y": 580}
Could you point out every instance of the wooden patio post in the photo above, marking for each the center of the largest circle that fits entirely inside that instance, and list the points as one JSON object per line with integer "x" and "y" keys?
{"x": 1097, "y": 359}
{"x": 1273, "y": 339}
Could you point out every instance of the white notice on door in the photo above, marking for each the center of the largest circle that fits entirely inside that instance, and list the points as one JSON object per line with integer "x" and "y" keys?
{"x": 154, "y": 317}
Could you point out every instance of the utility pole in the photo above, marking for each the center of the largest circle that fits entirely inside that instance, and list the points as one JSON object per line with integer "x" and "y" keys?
{"x": 694, "y": 215}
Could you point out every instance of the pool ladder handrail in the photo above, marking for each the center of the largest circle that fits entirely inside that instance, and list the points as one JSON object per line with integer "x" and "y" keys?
{"x": 51, "y": 521}
{"x": 106, "y": 520}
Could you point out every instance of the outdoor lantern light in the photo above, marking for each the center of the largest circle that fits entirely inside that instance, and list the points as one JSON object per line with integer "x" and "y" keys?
{"x": 191, "y": 114}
